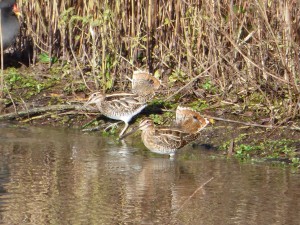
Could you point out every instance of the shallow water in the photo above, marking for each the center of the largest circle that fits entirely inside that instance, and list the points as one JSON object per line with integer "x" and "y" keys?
{"x": 59, "y": 176}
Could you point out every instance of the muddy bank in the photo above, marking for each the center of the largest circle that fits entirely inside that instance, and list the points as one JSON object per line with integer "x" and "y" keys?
{"x": 40, "y": 96}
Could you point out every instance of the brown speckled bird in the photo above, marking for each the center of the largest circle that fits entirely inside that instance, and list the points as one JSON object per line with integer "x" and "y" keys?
{"x": 124, "y": 106}
{"x": 167, "y": 140}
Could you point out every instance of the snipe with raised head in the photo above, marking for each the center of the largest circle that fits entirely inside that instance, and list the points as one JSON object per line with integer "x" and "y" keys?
{"x": 167, "y": 140}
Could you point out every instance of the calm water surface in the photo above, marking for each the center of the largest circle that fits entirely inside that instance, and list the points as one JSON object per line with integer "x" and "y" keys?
{"x": 57, "y": 176}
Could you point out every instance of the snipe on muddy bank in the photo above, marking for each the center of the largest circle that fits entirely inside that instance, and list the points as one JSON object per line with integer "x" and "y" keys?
{"x": 118, "y": 107}
{"x": 124, "y": 106}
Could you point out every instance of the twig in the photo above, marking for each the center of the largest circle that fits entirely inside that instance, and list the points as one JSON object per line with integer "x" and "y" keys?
{"x": 79, "y": 113}
{"x": 293, "y": 127}
{"x": 11, "y": 98}
{"x": 74, "y": 56}
{"x": 240, "y": 122}
{"x": 97, "y": 128}
{"x": 36, "y": 117}
{"x": 189, "y": 198}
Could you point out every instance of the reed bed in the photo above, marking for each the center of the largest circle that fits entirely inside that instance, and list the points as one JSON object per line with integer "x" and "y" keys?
{"x": 242, "y": 52}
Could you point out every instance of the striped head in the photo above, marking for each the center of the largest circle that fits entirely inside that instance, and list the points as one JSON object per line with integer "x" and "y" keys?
{"x": 146, "y": 124}
{"x": 95, "y": 98}
{"x": 189, "y": 120}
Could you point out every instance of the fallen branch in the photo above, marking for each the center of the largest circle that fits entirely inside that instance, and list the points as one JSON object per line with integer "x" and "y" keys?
{"x": 292, "y": 127}
{"x": 34, "y": 111}
{"x": 241, "y": 122}
{"x": 36, "y": 117}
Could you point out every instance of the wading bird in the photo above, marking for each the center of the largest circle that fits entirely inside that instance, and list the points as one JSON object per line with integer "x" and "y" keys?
{"x": 167, "y": 140}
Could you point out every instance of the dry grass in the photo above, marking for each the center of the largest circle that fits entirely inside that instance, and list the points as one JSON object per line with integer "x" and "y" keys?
{"x": 250, "y": 47}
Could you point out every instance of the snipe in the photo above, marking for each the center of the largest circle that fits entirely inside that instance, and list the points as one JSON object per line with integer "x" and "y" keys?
{"x": 144, "y": 85}
{"x": 124, "y": 106}
{"x": 118, "y": 107}
{"x": 167, "y": 140}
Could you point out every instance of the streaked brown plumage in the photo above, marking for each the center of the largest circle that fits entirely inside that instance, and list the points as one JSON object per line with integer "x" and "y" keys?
{"x": 124, "y": 106}
{"x": 167, "y": 140}
{"x": 144, "y": 85}
{"x": 189, "y": 119}
{"x": 121, "y": 106}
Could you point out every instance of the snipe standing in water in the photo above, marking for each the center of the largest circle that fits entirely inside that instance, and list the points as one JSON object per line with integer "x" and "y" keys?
{"x": 167, "y": 140}
{"x": 124, "y": 106}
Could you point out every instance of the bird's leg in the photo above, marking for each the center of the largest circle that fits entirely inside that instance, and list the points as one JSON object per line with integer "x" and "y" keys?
{"x": 124, "y": 129}
{"x": 172, "y": 156}
{"x": 112, "y": 125}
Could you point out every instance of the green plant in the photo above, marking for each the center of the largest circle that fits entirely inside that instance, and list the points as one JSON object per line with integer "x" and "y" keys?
{"x": 199, "y": 105}
{"x": 244, "y": 151}
{"x": 296, "y": 162}
{"x": 45, "y": 58}
{"x": 157, "y": 119}
{"x": 274, "y": 149}
{"x": 27, "y": 83}
{"x": 177, "y": 75}
{"x": 207, "y": 85}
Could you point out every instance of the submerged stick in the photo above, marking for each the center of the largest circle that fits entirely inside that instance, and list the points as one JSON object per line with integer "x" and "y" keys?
{"x": 186, "y": 201}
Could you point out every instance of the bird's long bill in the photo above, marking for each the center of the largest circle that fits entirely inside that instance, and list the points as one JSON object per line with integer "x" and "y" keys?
{"x": 86, "y": 104}
{"x": 130, "y": 132}
{"x": 91, "y": 100}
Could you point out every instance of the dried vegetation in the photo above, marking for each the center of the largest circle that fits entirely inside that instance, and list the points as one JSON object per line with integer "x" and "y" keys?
{"x": 238, "y": 52}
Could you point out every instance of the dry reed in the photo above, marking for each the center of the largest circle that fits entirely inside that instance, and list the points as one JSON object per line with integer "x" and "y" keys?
{"x": 250, "y": 47}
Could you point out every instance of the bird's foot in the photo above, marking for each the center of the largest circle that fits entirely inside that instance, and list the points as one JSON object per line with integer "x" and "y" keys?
{"x": 112, "y": 126}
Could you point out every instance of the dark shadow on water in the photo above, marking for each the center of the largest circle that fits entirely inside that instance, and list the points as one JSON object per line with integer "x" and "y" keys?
{"x": 204, "y": 147}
